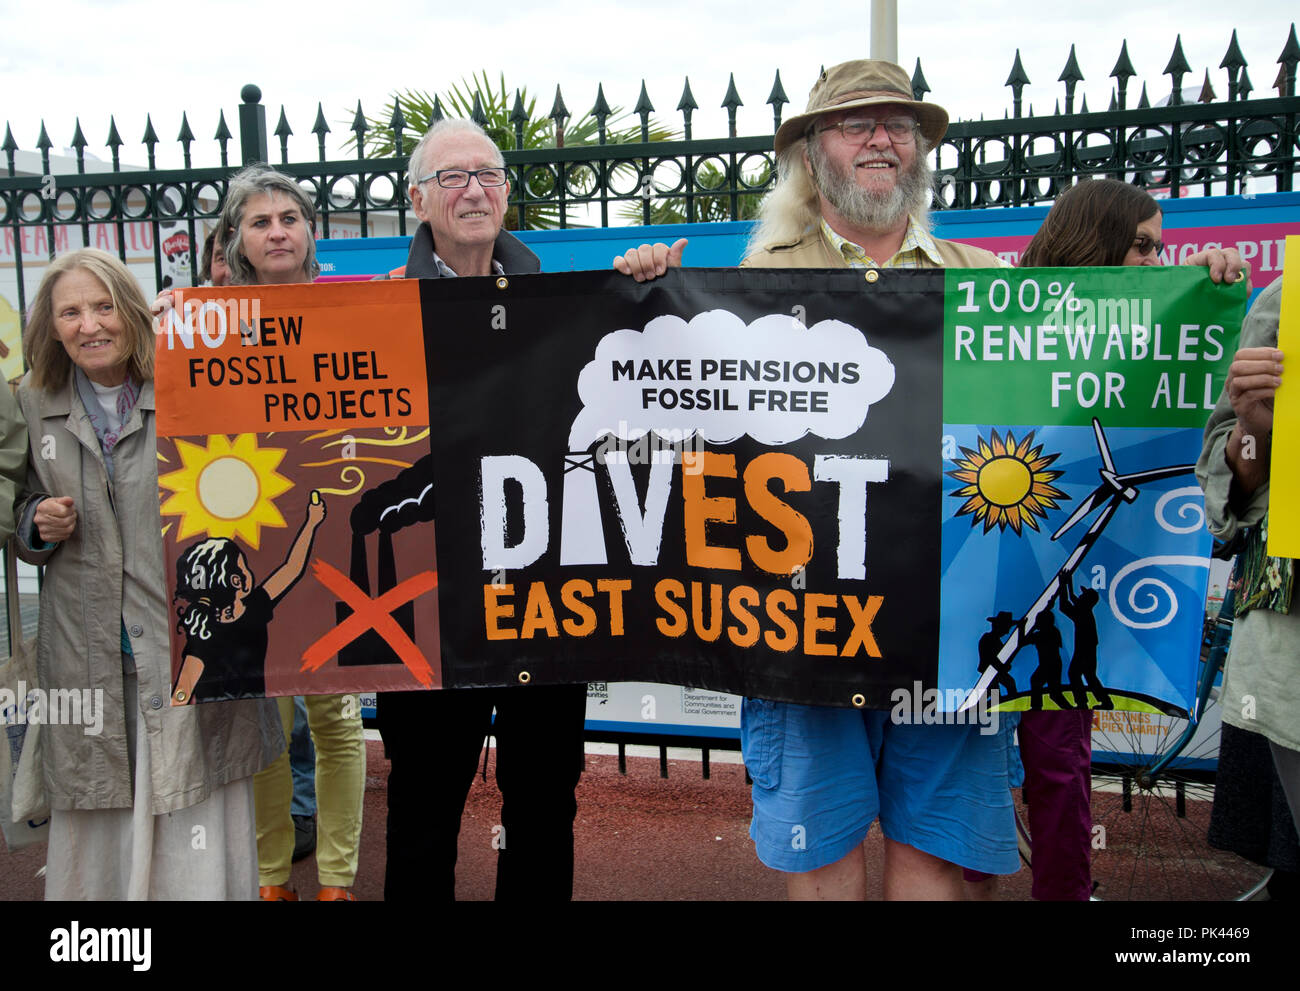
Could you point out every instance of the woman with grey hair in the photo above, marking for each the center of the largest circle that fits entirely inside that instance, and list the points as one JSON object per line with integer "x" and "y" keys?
{"x": 128, "y": 794}
{"x": 271, "y": 225}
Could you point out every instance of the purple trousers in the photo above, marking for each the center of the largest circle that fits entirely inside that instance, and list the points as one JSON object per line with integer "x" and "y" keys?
{"x": 1056, "y": 750}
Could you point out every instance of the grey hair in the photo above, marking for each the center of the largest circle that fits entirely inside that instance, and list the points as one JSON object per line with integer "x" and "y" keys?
{"x": 261, "y": 179}
{"x": 793, "y": 207}
{"x": 443, "y": 128}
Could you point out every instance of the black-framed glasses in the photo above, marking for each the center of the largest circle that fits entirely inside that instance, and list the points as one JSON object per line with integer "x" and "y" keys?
{"x": 459, "y": 178}
{"x": 899, "y": 129}
{"x": 1144, "y": 245}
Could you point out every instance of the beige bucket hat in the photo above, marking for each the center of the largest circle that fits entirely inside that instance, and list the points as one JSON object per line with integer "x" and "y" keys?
{"x": 862, "y": 83}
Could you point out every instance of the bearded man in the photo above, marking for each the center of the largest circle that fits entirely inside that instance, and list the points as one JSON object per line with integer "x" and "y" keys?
{"x": 852, "y": 188}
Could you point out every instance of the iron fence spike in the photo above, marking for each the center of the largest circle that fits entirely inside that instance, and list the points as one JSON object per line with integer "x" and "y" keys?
{"x": 186, "y": 135}
{"x": 1291, "y": 50}
{"x": 518, "y": 115}
{"x": 1123, "y": 70}
{"x": 1288, "y": 59}
{"x": 43, "y": 142}
{"x": 10, "y": 145}
{"x": 1114, "y": 103}
{"x": 644, "y": 107}
{"x": 1177, "y": 61}
{"x": 1176, "y": 69}
{"x": 1143, "y": 102}
{"x": 397, "y": 121}
{"x": 1244, "y": 85}
{"x": 732, "y": 100}
{"x": 282, "y": 129}
{"x": 359, "y": 123}
{"x": 601, "y": 108}
{"x": 114, "y": 139}
{"x": 1071, "y": 72}
{"x": 321, "y": 127}
{"x": 1083, "y": 109}
{"x": 1207, "y": 90}
{"x": 150, "y": 135}
{"x": 1018, "y": 76}
{"x": 1232, "y": 58}
{"x": 437, "y": 114}
{"x": 476, "y": 113}
{"x": 777, "y": 97}
{"x": 687, "y": 103}
{"x": 559, "y": 112}
{"x": 919, "y": 86}
{"x": 79, "y": 140}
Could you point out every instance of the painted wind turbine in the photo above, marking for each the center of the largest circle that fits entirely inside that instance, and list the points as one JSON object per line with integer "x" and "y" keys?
{"x": 1114, "y": 489}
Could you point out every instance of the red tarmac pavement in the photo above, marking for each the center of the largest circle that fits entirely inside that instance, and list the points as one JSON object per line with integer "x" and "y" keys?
{"x": 639, "y": 837}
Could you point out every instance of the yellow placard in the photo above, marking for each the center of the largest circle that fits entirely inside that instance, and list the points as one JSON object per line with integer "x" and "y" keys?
{"x": 1284, "y": 486}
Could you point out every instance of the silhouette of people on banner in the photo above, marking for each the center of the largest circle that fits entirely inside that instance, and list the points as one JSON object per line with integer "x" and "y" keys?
{"x": 989, "y": 646}
{"x": 1046, "y": 638}
{"x": 1083, "y": 664}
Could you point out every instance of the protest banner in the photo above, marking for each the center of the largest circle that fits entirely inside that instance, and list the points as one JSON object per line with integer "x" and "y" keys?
{"x": 814, "y": 486}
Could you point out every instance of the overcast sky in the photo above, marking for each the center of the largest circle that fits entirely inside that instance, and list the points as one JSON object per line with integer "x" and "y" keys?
{"x": 132, "y": 57}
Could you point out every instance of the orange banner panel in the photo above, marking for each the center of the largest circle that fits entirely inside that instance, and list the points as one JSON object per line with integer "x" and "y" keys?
{"x": 262, "y": 359}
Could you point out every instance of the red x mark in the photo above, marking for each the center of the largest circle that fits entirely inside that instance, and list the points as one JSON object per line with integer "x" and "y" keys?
{"x": 371, "y": 614}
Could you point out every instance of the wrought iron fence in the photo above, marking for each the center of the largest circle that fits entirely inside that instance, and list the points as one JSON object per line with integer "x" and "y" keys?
{"x": 1216, "y": 146}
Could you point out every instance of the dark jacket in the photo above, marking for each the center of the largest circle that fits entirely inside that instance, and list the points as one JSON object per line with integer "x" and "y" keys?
{"x": 513, "y": 255}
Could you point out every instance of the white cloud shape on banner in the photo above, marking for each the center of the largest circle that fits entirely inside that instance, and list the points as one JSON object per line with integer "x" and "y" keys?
{"x": 775, "y": 353}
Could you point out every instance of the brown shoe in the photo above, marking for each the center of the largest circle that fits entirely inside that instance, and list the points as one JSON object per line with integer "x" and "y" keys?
{"x": 276, "y": 893}
{"x": 332, "y": 893}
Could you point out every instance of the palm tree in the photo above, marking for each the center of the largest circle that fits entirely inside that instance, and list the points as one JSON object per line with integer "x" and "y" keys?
{"x": 511, "y": 125}
{"x": 709, "y": 206}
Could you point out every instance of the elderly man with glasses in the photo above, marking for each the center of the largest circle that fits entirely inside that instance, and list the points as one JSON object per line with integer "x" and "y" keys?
{"x": 459, "y": 187}
{"x": 852, "y": 191}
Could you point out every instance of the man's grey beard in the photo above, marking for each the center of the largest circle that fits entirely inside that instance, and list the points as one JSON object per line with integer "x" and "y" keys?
{"x": 868, "y": 210}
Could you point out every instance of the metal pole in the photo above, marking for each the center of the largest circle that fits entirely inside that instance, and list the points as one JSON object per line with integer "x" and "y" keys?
{"x": 884, "y": 30}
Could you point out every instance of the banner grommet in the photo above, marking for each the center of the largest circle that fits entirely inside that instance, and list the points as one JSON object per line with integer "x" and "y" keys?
{"x": 859, "y": 700}
{"x": 524, "y": 677}
{"x": 872, "y": 275}
{"x": 503, "y": 283}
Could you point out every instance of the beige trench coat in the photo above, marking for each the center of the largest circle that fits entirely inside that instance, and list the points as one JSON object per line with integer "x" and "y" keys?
{"x": 109, "y": 573}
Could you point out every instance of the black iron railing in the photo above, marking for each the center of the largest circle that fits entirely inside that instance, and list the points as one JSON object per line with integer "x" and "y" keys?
{"x": 1212, "y": 145}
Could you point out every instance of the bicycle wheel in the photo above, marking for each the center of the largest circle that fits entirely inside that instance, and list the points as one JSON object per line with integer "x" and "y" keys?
{"x": 1149, "y": 832}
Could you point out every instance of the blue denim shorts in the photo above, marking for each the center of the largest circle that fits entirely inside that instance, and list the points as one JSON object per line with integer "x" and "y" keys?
{"x": 823, "y": 775}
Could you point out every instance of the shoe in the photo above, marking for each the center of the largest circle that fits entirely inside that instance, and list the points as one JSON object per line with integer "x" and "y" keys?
{"x": 332, "y": 893}
{"x": 276, "y": 893}
{"x": 304, "y": 837}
